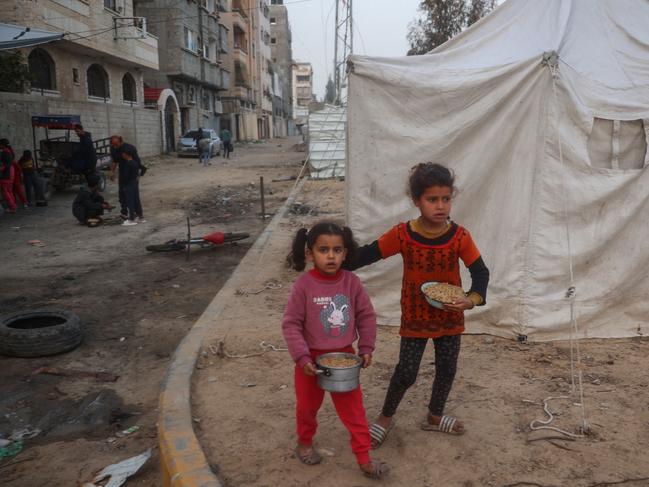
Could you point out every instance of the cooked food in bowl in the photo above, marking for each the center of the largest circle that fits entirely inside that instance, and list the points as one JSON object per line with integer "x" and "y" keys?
{"x": 442, "y": 292}
{"x": 338, "y": 362}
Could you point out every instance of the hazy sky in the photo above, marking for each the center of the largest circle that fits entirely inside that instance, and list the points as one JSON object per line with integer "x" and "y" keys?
{"x": 380, "y": 30}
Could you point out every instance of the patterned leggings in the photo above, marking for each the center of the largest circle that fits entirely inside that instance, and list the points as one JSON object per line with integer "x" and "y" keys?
{"x": 447, "y": 349}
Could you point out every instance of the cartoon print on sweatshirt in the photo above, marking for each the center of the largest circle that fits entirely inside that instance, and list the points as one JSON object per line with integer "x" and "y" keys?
{"x": 335, "y": 316}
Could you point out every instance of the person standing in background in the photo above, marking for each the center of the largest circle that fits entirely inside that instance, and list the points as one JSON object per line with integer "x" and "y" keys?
{"x": 226, "y": 138}
{"x": 7, "y": 175}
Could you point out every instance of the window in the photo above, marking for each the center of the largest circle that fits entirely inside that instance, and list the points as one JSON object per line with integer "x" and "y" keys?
{"x": 97, "y": 82}
{"x": 129, "y": 91}
{"x": 618, "y": 144}
{"x": 190, "y": 40}
{"x": 273, "y": 40}
{"x": 303, "y": 78}
{"x": 111, "y": 5}
{"x": 42, "y": 69}
{"x": 273, "y": 21}
{"x": 206, "y": 100}
{"x": 211, "y": 50}
{"x": 75, "y": 76}
{"x": 223, "y": 37}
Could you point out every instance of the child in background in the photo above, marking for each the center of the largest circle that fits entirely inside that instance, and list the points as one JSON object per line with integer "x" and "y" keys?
{"x": 26, "y": 163}
{"x": 310, "y": 330}
{"x": 7, "y": 175}
{"x": 430, "y": 247}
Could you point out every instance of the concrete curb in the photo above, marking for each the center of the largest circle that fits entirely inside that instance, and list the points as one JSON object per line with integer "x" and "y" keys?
{"x": 183, "y": 462}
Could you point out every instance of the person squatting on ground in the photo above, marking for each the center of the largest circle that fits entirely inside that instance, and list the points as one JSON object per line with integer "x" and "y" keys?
{"x": 226, "y": 138}
{"x": 327, "y": 310}
{"x": 430, "y": 246}
{"x": 131, "y": 185}
{"x": 7, "y": 175}
{"x": 89, "y": 204}
{"x": 117, "y": 145}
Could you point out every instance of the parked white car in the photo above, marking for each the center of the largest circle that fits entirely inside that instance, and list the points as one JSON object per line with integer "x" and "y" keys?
{"x": 187, "y": 143}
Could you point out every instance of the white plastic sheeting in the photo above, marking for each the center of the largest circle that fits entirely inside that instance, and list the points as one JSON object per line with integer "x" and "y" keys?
{"x": 487, "y": 105}
{"x": 327, "y": 134}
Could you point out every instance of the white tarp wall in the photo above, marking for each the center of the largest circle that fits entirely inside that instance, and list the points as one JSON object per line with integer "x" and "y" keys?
{"x": 544, "y": 169}
{"x": 327, "y": 134}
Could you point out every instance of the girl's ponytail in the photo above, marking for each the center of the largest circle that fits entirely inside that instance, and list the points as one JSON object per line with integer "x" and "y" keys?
{"x": 352, "y": 248}
{"x": 296, "y": 259}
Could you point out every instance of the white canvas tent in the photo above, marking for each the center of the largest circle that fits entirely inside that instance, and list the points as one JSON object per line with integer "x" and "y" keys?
{"x": 542, "y": 110}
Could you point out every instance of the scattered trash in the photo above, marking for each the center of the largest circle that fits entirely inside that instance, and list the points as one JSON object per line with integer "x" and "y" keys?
{"x": 272, "y": 284}
{"x": 282, "y": 387}
{"x": 121, "y": 471}
{"x": 127, "y": 431}
{"x": 25, "y": 434}
{"x": 122, "y": 339}
{"x": 327, "y": 452}
{"x": 11, "y": 450}
{"x": 211, "y": 379}
{"x": 488, "y": 340}
{"x": 248, "y": 384}
{"x": 181, "y": 316}
{"x": 197, "y": 420}
{"x": 36, "y": 243}
{"x": 279, "y": 180}
{"x": 111, "y": 440}
{"x": 175, "y": 286}
{"x": 99, "y": 375}
{"x": 4, "y": 442}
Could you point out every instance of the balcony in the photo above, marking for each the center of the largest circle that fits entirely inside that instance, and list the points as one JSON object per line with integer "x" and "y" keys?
{"x": 241, "y": 92}
{"x": 239, "y": 20}
{"x": 239, "y": 55}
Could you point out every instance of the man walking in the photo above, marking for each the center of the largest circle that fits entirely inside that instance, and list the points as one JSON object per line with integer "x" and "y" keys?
{"x": 226, "y": 138}
{"x": 117, "y": 149}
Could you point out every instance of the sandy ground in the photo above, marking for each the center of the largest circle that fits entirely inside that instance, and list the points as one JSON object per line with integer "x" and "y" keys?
{"x": 135, "y": 307}
{"x": 244, "y": 407}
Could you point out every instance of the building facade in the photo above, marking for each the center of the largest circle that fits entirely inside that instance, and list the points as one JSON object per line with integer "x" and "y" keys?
{"x": 263, "y": 76}
{"x": 192, "y": 40}
{"x": 96, "y": 72}
{"x": 282, "y": 62}
{"x": 302, "y": 91}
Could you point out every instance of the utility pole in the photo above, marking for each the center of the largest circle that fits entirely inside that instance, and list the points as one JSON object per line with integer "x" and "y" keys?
{"x": 343, "y": 48}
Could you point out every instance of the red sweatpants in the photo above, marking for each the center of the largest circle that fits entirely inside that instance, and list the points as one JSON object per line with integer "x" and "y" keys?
{"x": 7, "y": 186}
{"x": 349, "y": 406}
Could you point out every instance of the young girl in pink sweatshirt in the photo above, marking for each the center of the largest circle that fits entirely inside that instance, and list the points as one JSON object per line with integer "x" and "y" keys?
{"x": 327, "y": 311}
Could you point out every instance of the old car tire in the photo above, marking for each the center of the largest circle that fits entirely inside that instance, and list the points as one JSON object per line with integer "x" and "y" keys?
{"x": 38, "y": 333}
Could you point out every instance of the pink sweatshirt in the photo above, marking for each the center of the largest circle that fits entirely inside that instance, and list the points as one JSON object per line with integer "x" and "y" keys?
{"x": 328, "y": 313}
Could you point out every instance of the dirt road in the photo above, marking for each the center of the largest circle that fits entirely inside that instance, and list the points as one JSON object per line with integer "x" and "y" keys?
{"x": 244, "y": 402}
{"x": 135, "y": 307}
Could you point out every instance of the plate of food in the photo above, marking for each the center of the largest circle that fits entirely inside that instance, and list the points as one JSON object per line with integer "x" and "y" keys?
{"x": 440, "y": 293}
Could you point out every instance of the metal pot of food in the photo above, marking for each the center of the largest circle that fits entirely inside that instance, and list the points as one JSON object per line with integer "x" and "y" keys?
{"x": 338, "y": 371}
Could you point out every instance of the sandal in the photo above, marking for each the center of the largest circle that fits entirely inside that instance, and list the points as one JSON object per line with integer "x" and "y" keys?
{"x": 378, "y": 434}
{"x": 310, "y": 457}
{"x": 379, "y": 470}
{"x": 446, "y": 425}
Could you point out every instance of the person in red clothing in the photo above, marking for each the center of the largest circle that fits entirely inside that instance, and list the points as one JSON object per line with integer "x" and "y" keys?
{"x": 431, "y": 247}
{"x": 17, "y": 179}
{"x": 7, "y": 175}
{"x": 327, "y": 311}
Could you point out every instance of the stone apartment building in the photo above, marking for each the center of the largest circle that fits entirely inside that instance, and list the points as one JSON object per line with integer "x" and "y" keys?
{"x": 192, "y": 40}
{"x": 239, "y": 102}
{"x": 302, "y": 91}
{"x": 95, "y": 72}
{"x": 263, "y": 76}
{"x": 282, "y": 59}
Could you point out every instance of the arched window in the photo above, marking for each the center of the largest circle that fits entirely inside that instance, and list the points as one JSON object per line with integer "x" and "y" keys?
{"x": 129, "y": 91}
{"x": 42, "y": 69}
{"x": 97, "y": 81}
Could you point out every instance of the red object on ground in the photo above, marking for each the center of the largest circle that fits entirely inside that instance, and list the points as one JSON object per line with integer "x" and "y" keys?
{"x": 349, "y": 406}
{"x": 216, "y": 238}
